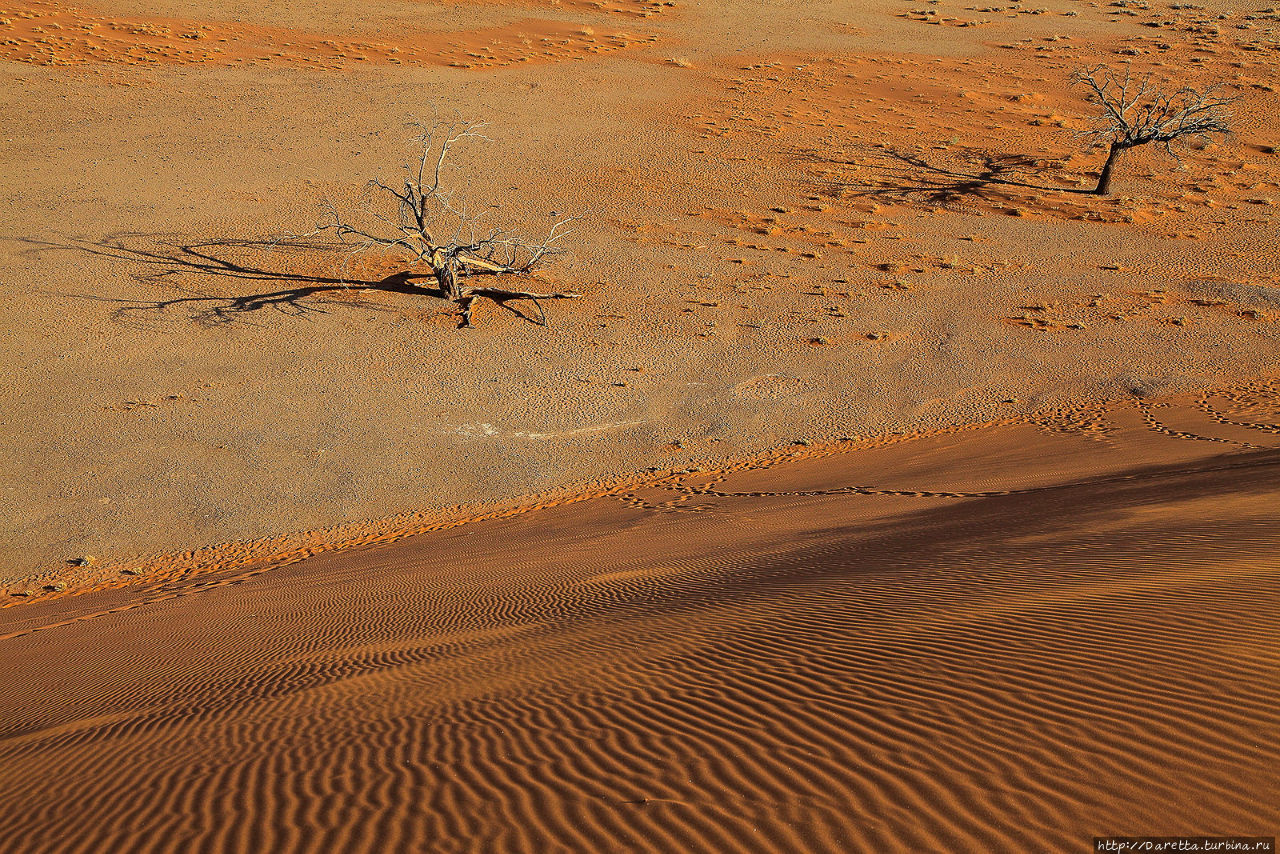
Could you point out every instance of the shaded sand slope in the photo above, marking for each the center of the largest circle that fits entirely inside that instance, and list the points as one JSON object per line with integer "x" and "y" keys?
{"x": 1005, "y": 639}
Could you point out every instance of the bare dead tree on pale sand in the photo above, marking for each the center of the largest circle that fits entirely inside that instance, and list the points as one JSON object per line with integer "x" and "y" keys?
{"x": 1136, "y": 112}
{"x": 434, "y": 227}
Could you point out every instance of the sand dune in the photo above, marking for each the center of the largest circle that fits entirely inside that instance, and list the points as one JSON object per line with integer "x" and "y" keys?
{"x": 1009, "y": 638}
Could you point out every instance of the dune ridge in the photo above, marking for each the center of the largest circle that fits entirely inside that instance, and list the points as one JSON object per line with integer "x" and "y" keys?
{"x": 263, "y": 555}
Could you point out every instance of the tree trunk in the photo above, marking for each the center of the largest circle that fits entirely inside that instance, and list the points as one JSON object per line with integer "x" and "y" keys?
{"x": 1104, "y": 179}
{"x": 446, "y": 270}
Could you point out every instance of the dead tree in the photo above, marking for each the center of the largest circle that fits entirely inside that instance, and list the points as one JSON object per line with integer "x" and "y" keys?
{"x": 1135, "y": 112}
{"x": 441, "y": 236}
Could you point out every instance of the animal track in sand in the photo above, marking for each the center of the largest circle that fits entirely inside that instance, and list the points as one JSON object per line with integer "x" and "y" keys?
{"x": 1087, "y": 422}
{"x": 1090, "y": 423}
{"x": 1244, "y": 403}
{"x": 1148, "y": 416}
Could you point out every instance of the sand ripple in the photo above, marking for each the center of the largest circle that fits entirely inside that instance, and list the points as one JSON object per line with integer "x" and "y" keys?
{"x": 977, "y": 654}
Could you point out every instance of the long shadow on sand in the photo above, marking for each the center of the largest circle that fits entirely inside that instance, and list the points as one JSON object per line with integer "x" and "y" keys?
{"x": 168, "y": 263}
{"x": 897, "y": 176}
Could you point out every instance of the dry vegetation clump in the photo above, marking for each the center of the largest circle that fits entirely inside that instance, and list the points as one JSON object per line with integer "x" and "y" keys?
{"x": 440, "y": 235}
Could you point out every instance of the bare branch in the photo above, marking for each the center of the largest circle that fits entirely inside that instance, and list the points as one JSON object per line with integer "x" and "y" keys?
{"x": 1138, "y": 113}
{"x": 425, "y": 211}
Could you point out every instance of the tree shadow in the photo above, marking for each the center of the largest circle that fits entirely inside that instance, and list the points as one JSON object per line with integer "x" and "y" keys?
{"x": 168, "y": 264}
{"x": 897, "y": 176}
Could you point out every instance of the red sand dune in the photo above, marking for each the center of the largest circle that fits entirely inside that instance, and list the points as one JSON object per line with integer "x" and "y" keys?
{"x": 1004, "y": 639}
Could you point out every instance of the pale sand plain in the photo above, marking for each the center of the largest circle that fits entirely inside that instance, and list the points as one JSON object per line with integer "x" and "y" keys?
{"x": 858, "y": 505}
{"x": 167, "y": 391}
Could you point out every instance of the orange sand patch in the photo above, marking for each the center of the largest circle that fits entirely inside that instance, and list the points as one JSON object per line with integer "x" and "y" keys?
{"x": 628, "y": 8}
{"x": 1180, "y": 306}
{"x": 53, "y": 34}
{"x": 992, "y": 134}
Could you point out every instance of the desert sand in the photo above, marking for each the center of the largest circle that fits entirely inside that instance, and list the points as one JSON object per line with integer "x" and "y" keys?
{"x": 864, "y": 501}
{"x": 1006, "y": 638}
{"x": 171, "y": 388}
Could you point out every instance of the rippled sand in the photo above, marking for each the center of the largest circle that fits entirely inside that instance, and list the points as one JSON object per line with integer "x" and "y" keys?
{"x": 1009, "y": 638}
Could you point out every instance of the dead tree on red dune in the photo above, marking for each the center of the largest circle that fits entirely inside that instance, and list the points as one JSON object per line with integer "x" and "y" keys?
{"x": 1135, "y": 112}
{"x": 433, "y": 226}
